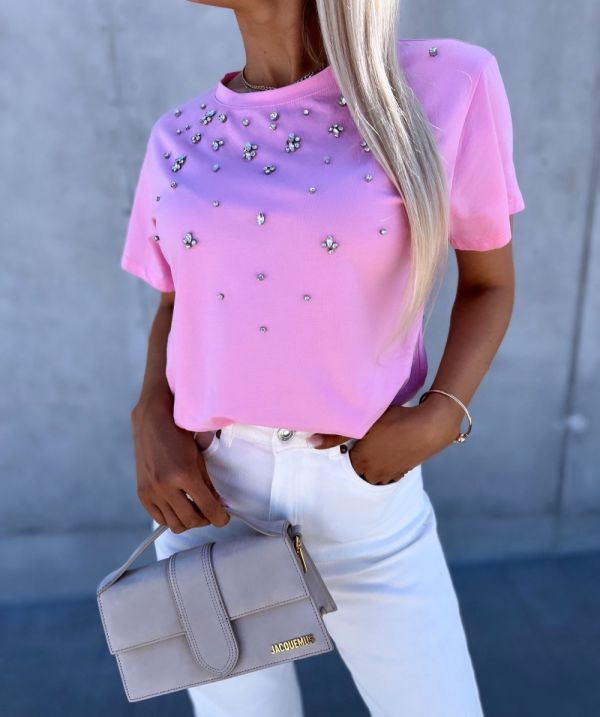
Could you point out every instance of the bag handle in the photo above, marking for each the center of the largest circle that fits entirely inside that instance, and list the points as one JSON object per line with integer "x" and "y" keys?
{"x": 272, "y": 528}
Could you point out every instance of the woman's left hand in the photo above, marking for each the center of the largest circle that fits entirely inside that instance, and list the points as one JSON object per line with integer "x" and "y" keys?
{"x": 402, "y": 438}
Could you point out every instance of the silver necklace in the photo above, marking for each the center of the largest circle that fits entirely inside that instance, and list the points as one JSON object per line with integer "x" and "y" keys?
{"x": 273, "y": 87}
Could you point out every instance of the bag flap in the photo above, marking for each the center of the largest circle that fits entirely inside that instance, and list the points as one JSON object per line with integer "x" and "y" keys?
{"x": 201, "y": 610}
{"x": 255, "y": 572}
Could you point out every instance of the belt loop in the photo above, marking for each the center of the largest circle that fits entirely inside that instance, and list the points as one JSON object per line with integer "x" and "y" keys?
{"x": 226, "y": 434}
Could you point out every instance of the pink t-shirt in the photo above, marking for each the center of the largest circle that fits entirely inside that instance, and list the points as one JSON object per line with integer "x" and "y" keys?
{"x": 287, "y": 245}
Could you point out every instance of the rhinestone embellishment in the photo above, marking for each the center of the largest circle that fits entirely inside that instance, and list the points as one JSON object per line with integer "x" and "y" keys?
{"x": 178, "y": 131}
{"x": 383, "y": 231}
{"x": 216, "y": 202}
{"x": 260, "y": 218}
{"x": 207, "y": 117}
{"x": 305, "y": 111}
{"x": 203, "y": 106}
{"x": 189, "y": 240}
{"x": 216, "y": 144}
{"x": 166, "y": 155}
{"x": 156, "y": 237}
{"x": 177, "y": 113}
{"x": 273, "y": 125}
{"x": 178, "y": 163}
{"x": 433, "y": 51}
{"x": 292, "y": 142}
{"x": 269, "y": 169}
{"x": 222, "y": 117}
{"x": 327, "y": 159}
{"x": 336, "y": 129}
{"x": 342, "y": 101}
{"x": 173, "y": 184}
{"x": 329, "y": 244}
{"x": 220, "y": 295}
{"x": 249, "y": 151}
{"x": 365, "y": 146}
{"x": 368, "y": 177}
{"x": 306, "y": 297}
{"x": 196, "y": 138}
{"x": 216, "y": 167}
{"x": 260, "y": 276}
{"x": 312, "y": 190}
{"x": 262, "y": 329}
{"x": 245, "y": 121}
{"x": 274, "y": 115}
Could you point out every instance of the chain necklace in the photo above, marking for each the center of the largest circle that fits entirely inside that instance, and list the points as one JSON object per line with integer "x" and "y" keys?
{"x": 272, "y": 87}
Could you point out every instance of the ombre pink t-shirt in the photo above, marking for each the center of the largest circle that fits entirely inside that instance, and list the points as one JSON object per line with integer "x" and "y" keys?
{"x": 287, "y": 245}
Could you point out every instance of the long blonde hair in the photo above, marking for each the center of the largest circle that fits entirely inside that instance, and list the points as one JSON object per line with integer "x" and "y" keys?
{"x": 360, "y": 42}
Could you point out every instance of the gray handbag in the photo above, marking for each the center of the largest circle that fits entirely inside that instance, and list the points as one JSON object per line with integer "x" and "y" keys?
{"x": 215, "y": 610}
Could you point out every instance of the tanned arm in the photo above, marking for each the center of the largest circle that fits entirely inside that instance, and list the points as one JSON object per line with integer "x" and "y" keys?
{"x": 168, "y": 461}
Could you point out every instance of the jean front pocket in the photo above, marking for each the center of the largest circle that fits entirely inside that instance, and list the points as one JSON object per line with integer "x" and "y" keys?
{"x": 362, "y": 484}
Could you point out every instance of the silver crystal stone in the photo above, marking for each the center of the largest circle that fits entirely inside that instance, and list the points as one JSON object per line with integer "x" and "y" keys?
{"x": 274, "y": 115}
{"x": 249, "y": 151}
{"x": 306, "y": 111}
{"x": 260, "y": 276}
{"x": 336, "y": 129}
{"x": 222, "y": 117}
{"x": 156, "y": 237}
{"x": 433, "y": 51}
{"x": 383, "y": 230}
{"x": 342, "y": 101}
{"x": 216, "y": 144}
{"x": 292, "y": 142}
{"x": 245, "y": 121}
{"x": 260, "y": 218}
{"x": 368, "y": 177}
{"x": 220, "y": 295}
{"x": 329, "y": 244}
{"x": 269, "y": 169}
{"x": 262, "y": 329}
{"x": 365, "y": 146}
{"x": 216, "y": 167}
{"x": 196, "y": 138}
{"x": 216, "y": 202}
{"x": 189, "y": 240}
{"x": 306, "y": 297}
{"x": 178, "y": 163}
{"x": 177, "y": 113}
{"x": 312, "y": 190}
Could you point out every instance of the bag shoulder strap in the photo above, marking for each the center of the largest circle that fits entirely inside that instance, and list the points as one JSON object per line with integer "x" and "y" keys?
{"x": 272, "y": 528}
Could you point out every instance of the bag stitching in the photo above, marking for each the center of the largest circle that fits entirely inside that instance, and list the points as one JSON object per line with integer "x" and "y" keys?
{"x": 327, "y": 648}
{"x": 220, "y": 610}
{"x": 183, "y": 615}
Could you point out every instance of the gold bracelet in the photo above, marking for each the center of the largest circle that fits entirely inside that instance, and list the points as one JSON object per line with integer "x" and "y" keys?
{"x": 462, "y": 437}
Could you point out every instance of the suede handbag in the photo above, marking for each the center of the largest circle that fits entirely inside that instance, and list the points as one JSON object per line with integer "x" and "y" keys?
{"x": 215, "y": 610}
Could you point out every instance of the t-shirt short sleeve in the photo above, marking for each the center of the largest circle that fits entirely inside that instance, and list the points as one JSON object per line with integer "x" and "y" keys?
{"x": 142, "y": 255}
{"x": 484, "y": 191}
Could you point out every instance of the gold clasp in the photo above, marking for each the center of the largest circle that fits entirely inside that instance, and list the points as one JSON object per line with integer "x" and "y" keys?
{"x": 300, "y": 552}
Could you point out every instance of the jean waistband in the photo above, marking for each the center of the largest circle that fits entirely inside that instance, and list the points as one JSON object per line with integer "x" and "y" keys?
{"x": 280, "y": 438}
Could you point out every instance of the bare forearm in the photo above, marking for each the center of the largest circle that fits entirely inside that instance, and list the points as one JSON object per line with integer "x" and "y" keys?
{"x": 155, "y": 392}
{"x": 478, "y": 323}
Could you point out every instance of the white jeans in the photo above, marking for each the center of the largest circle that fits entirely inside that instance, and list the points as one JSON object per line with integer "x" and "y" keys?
{"x": 398, "y": 626}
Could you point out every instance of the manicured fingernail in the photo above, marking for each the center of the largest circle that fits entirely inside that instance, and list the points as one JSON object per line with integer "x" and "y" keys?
{"x": 315, "y": 440}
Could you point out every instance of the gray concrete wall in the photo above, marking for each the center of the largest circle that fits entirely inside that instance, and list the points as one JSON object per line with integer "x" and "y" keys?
{"x": 86, "y": 82}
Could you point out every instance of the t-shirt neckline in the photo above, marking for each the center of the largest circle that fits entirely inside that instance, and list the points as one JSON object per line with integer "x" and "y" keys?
{"x": 320, "y": 80}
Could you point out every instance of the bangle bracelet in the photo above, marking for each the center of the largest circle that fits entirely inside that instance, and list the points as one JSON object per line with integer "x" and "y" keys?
{"x": 462, "y": 437}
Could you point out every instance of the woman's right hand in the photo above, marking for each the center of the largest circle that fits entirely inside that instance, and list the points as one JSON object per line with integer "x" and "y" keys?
{"x": 169, "y": 464}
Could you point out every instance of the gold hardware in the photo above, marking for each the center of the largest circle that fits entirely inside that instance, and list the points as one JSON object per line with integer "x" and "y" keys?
{"x": 293, "y": 643}
{"x": 300, "y": 552}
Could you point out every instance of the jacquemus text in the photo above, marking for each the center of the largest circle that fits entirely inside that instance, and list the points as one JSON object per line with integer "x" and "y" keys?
{"x": 292, "y": 644}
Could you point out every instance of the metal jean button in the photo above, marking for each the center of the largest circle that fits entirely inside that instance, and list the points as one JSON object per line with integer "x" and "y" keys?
{"x": 284, "y": 434}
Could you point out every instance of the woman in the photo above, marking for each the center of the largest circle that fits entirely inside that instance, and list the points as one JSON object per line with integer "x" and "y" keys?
{"x": 295, "y": 217}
